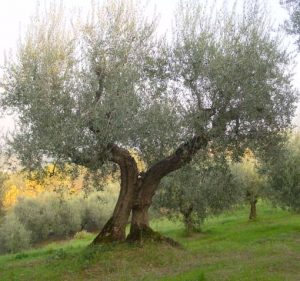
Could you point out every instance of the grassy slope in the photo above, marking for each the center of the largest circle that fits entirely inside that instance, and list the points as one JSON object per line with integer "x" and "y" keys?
{"x": 230, "y": 248}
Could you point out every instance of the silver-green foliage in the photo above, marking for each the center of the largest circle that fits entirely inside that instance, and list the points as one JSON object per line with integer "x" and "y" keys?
{"x": 97, "y": 210}
{"x": 284, "y": 175}
{"x": 248, "y": 176}
{"x": 13, "y": 235}
{"x": 200, "y": 189}
{"x": 49, "y": 215}
{"x": 232, "y": 68}
{"x": 292, "y": 26}
{"x": 52, "y": 216}
{"x": 111, "y": 80}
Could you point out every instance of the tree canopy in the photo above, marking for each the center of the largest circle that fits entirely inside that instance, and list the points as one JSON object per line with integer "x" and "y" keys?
{"x": 292, "y": 25}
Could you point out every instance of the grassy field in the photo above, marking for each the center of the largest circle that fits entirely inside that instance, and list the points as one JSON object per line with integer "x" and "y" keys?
{"x": 229, "y": 248}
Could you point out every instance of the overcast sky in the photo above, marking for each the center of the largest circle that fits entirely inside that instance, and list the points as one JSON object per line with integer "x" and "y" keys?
{"x": 15, "y": 14}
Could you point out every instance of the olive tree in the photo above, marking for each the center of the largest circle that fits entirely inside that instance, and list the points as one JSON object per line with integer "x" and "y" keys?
{"x": 88, "y": 95}
{"x": 202, "y": 188}
{"x": 284, "y": 175}
{"x": 248, "y": 177}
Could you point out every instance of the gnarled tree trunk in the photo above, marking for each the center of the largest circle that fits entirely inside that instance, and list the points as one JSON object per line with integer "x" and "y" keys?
{"x": 114, "y": 229}
{"x": 137, "y": 192}
{"x": 140, "y": 228}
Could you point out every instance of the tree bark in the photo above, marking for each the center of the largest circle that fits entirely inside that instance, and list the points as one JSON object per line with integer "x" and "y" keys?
{"x": 252, "y": 215}
{"x": 115, "y": 228}
{"x": 139, "y": 228}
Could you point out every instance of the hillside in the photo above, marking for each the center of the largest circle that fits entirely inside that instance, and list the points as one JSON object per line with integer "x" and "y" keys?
{"x": 229, "y": 248}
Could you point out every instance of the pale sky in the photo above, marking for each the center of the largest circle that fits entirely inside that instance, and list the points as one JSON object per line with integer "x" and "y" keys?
{"x": 15, "y": 14}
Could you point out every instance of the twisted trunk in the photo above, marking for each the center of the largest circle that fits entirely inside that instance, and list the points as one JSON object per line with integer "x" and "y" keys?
{"x": 140, "y": 228}
{"x": 114, "y": 229}
{"x": 137, "y": 191}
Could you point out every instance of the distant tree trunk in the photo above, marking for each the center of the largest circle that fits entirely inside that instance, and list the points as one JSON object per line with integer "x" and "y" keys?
{"x": 114, "y": 229}
{"x": 187, "y": 220}
{"x": 252, "y": 215}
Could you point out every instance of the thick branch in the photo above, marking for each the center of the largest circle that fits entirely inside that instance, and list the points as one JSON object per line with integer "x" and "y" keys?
{"x": 183, "y": 154}
{"x": 179, "y": 158}
{"x": 111, "y": 152}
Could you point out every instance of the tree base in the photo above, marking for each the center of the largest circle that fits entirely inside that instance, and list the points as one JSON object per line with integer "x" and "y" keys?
{"x": 109, "y": 234}
{"x": 145, "y": 233}
{"x": 137, "y": 235}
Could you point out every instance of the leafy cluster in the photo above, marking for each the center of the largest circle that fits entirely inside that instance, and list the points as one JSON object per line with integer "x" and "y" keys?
{"x": 292, "y": 25}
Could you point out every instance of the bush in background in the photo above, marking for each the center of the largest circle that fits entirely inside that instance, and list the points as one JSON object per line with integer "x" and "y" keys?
{"x": 51, "y": 215}
{"x": 13, "y": 235}
{"x": 98, "y": 207}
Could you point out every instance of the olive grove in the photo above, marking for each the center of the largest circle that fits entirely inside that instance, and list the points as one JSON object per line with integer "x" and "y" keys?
{"x": 89, "y": 92}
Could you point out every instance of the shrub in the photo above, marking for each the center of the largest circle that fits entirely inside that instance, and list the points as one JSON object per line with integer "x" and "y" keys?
{"x": 52, "y": 215}
{"x": 69, "y": 216}
{"x": 39, "y": 214}
{"x": 13, "y": 235}
{"x": 98, "y": 208}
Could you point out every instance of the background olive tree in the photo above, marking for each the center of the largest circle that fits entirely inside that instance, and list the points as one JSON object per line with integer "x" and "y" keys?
{"x": 200, "y": 189}
{"x": 284, "y": 175}
{"x": 88, "y": 94}
{"x": 249, "y": 178}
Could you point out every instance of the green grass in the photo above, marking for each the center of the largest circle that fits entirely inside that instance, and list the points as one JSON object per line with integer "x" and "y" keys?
{"x": 230, "y": 248}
